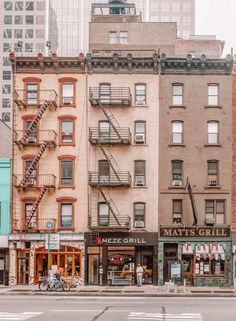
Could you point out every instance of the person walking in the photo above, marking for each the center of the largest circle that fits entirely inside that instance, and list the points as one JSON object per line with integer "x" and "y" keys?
{"x": 139, "y": 274}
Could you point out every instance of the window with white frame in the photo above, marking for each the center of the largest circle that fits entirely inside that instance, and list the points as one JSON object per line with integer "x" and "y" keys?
{"x": 177, "y": 211}
{"x": 123, "y": 37}
{"x": 66, "y": 215}
{"x": 139, "y": 214}
{"x": 177, "y": 172}
{"x": 213, "y": 94}
{"x": 177, "y": 91}
{"x": 103, "y": 214}
{"x": 140, "y": 132}
{"x": 113, "y": 38}
{"x": 215, "y": 211}
{"x": 213, "y": 172}
{"x": 213, "y": 132}
{"x": 177, "y": 132}
{"x": 139, "y": 173}
{"x": 140, "y": 94}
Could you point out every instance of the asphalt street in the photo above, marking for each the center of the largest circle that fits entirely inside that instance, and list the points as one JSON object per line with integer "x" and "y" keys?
{"x": 36, "y": 308}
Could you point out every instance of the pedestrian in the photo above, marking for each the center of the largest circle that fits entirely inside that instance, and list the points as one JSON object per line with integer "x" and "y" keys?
{"x": 139, "y": 274}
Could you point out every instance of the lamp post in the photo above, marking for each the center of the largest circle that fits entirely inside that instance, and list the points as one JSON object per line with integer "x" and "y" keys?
{"x": 49, "y": 226}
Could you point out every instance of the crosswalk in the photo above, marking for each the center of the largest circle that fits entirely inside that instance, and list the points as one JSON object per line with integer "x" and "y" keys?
{"x": 18, "y": 316}
{"x": 143, "y": 316}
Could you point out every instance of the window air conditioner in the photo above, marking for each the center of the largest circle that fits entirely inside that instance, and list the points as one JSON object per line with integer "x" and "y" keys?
{"x": 139, "y": 181}
{"x": 139, "y": 224}
{"x": 103, "y": 179}
{"x": 31, "y": 181}
{"x": 139, "y": 138}
{"x": 67, "y": 100}
{"x": 31, "y": 140}
{"x": 210, "y": 221}
{"x": 176, "y": 183}
{"x": 212, "y": 183}
{"x": 140, "y": 102}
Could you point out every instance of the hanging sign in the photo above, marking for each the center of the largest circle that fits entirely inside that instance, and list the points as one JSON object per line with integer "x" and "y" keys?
{"x": 52, "y": 241}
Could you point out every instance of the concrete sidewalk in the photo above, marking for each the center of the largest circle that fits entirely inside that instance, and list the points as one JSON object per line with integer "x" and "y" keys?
{"x": 145, "y": 290}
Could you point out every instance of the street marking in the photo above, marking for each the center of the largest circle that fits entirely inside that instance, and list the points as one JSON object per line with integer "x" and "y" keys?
{"x": 18, "y": 316}
{"x": 167, "y": 317}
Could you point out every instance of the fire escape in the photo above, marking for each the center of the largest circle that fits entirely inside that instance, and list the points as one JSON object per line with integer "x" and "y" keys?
{"x": 41, "y": 139}
{"x": 104, "y": 137}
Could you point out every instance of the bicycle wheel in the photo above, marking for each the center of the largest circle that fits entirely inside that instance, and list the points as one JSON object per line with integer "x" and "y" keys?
{"x": 43, "y": 286}
{"x": 58, "y": 287}
{"x": 66, "y": 286}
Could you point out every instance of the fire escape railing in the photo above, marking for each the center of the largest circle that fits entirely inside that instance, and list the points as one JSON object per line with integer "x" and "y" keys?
{"x": 117, "y": 96}
{"x": 96, "y": 136}
{"x": 22, "y": 98}
{"x": 35, "y": 138}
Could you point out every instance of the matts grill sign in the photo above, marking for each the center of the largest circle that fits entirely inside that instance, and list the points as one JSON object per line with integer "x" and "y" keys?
{"x": 195, "y": 232}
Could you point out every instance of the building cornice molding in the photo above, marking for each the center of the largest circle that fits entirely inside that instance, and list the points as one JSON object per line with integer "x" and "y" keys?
{"x": 116, "y": 64}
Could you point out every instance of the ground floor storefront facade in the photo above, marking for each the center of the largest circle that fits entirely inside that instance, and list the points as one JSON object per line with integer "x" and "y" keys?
{"x": 30, "y": 257}
{"x": 4, "y": 259}
{"x": 200, "y": 256}
{"x": 112, "y": 258}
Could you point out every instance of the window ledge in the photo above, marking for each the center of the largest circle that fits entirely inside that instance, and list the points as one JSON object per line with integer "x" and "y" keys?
{"x": 212, "y": 187}
{"x": 139, "y": 144}
{"x": 135, "y": 105}
{"x": 72, "y": 105}
{"x": 66, "y": 229}
{"x": 177, "y": 106}
{"x": 61, "y": 187}
{"x": 213, "y": 106}
{"x": 176, "y": 187}
{"x": 177, "y": 145}
{"x": 135, "y": 186}
{"x": 212, "y": 145}
{"x": 68, "y": 144}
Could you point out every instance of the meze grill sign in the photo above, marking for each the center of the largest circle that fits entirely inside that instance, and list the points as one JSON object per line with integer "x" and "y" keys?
{"x": 194, "y": 232}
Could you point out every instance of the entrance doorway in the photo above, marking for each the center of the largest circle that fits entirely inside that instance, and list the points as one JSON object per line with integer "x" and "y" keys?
{"x": 188, "y": 261}
{"x": 147, "y": 264}
{"x": 170, "y": 255}
{"x": 23, "y": 267}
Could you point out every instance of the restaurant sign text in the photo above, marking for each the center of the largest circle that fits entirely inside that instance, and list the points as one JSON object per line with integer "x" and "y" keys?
{"x": 194, "y": 232}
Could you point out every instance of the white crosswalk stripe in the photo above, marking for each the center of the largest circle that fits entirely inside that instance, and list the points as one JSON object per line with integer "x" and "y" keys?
{"x": 18, "y": 316}
{"x": 167, "y": 317}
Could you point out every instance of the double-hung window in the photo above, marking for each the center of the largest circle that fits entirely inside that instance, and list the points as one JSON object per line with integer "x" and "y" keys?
{"x": 103, "y": 214}
{"x": 32, "y": 93}
{"x": 139, "y": 173}
{"x": 140, "y": 94}
{"x": 177, "y": 94}
{"x": 66, "y": 215}
{"x": 140, "y": 132}
{"x": 177, "y": 132}
{"x": 213, "y": 94}
{"x": 139, "y": 214}
{"x": 213, "y": 132}
{"x": 213, "y": 172}
{"x": 177, "y": 173}
{"x": 215, "y": 211}
{"x": 177, "y": 209}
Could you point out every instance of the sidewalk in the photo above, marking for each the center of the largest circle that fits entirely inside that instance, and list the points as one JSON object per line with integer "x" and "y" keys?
{"x": 145, "y": 290}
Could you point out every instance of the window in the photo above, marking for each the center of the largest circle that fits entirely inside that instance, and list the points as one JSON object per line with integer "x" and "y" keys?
{"x": 177, "y": 211}
{"x": 6, "y": 47}
{"x": 29, "y": 20}
{"x": 213, "y": 94}
{"x": 103, "y": 214}
{"x": 67, "y": 131}
{"x": 8, "y": 20}
{"x": 6, "y": 74}
{"x": 104, "y": 171}
{"x": 113, "y": 37}
{"x": 123, "y": 37}
{"x": 6, "y": 89}
{"x": 105, "y": 93}
{"x": 7, "y": 33}
{"x": 6, "y": 117}
{"x": 215, "y": 211}
{"x": 139, "y": 173}
{"x": 33, "y": 137}
{"x": 177, "y": 94}
{"x": 213, "y": 132}
{"x": 66, "y": 171}
{"x": 139, "y": 215}
{"x": 32, "y": 180}
{"x": 8, "y": 5}
{"x": 18, "y": 20}
{"x": 18, "y": 33}
{"x": 18, "y": 46}
{"x": 40, "y": 33}
{"x": 19, "y": 6}
{"x": 177, "y": 132}
{"x": 66, "y": 215}
{"x": 6, "y": 61}
{"x": 29, "y": 33}
{"x": 140, "y": 132}
{"x": 177, "y": 173}
{"x": 212, "y": 173}
{"x": 140, "y": 94}
{"x": 40, "y": 20}
{"x": 32, "y": 93}
{"x": 29, "y": 47}
{"x": 104, "y": 131}
{"x": 29, "y": 6}
{"x": 27, "y": 209}
{"x": 40, "y": 6}
{"x": 6, "y": 103}
{"x": 67, "y": 91}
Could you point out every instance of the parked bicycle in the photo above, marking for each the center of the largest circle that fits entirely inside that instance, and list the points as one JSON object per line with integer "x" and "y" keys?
{"x": 53, "y": 284}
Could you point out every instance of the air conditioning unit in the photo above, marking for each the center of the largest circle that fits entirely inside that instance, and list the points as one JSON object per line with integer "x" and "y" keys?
{"x": 139, "y": 138}
{"x": 139, "y": 224}
{"x": 212, "y": 182}
{"x": 140, "y": 102}
{"x": 210, "y": 221}
{"x": 176, "y": 183}
{"x": 31, "y": 140}
{"x": 31, "y": 181}
{"x": 67, "y": 100}
{"x": 139, "y": 181}
{"x": 103, "y": 179}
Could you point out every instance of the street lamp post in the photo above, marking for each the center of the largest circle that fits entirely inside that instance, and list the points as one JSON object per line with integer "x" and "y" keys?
{"x": 49, "y": 226}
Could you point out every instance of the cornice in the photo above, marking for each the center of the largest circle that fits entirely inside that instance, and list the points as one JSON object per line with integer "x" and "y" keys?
{"x": 116, "y": 64}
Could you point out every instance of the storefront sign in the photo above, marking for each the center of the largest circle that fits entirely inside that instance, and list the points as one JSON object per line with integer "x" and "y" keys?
{"x": 52, "y": 241}
{"x": 175, "y": 270}
{"x": 194, "y": 232}
{"x": 115, "y": 241}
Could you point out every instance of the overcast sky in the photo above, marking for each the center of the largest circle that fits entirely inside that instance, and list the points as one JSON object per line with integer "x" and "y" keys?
{"x": 217, "y": 17}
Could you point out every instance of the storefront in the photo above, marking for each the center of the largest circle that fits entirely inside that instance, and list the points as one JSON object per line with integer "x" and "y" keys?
{"x": 202, "y": 254}
{"x": 111, "y": 258}
{"x": 4, "y": 257}
{"x": 32, "y": 258}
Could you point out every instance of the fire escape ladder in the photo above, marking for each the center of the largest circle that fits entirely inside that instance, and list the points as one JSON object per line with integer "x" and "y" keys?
{"x": 34, "y": 123}
{"x": 109, "y": 202}
{"x": 109, "y": 157}
{"x": 33, "y": 164}
{"x": 36, "y": 204}
{"x": 112, "y": 120}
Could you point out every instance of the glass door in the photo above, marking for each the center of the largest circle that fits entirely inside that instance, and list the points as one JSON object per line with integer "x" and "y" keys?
{"x": 104, "y": 171}
{"x": 93, "y": 269}
{"x": 147, "y": 264}
{"x": 187, "y": 261}
{"x": 23, "y": 268}
{"x": 104, "y": 131}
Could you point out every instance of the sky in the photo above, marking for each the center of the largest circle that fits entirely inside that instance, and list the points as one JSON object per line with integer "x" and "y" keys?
{"x": 217, "y": 17}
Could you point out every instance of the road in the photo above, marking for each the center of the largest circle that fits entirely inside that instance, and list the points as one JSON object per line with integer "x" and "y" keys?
{"x": 47, "y": 308}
